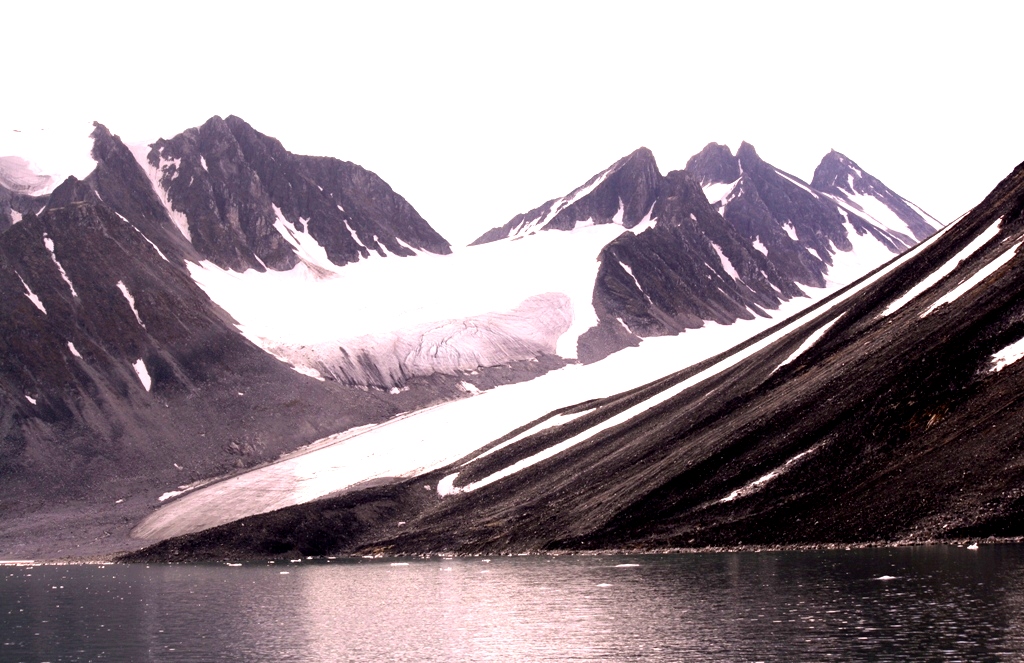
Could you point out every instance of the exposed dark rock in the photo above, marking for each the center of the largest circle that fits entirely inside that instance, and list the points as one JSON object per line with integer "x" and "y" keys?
{"x": 230, "y": 181}
{"x": 624, "y": 194}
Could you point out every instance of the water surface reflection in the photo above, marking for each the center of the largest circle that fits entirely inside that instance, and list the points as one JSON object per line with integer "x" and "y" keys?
{"x": 912, "y": 604}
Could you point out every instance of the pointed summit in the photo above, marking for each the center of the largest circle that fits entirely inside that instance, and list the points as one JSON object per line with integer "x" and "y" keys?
{"x": 860, "y": 192}
{"x": 624, "y": 193}
{"x": 713, "y": 165}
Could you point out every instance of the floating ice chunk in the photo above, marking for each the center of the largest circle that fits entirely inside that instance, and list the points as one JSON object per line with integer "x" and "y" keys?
{"x": 626, "y": 566}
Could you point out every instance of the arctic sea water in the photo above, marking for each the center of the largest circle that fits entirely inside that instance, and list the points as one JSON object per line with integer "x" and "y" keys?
{"x": 888, "y": 604}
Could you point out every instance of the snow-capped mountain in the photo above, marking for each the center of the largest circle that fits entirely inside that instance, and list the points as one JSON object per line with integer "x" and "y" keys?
{"x": 889, "y": 411}
{"x": 155, "y": 308}
{"x": 681, "y": 264}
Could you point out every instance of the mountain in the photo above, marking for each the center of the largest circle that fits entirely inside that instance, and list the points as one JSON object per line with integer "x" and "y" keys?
{"x": 120, "y": 378}
{"x": 890, "y": 411}
{"x": 209, "y": 302}
{"x": 681, "y": 264}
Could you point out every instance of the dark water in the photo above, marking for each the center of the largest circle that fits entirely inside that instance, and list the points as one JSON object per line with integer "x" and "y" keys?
{"x": 909, "y": 604}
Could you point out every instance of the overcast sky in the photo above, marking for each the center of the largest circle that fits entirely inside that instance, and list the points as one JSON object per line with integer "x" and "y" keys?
{"x": 475, "y": 112}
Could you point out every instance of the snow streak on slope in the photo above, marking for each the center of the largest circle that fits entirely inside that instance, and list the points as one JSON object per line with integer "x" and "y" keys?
{"x": 946, "y": 269}
{"x": 155, "y": 174}
{"x": 975, "y": 280}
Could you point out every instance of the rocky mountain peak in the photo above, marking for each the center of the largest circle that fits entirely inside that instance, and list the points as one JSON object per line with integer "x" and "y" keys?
{"x": 715, "y": 163}
{"x": 836, "y": 170}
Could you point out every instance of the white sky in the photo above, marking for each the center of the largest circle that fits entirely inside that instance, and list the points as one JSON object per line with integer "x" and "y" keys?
{"x": 478, "y": 111}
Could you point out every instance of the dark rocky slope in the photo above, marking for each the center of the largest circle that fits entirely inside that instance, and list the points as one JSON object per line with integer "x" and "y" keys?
{"x": 244, "y": 196}
{"x": 119, "y": 378}
{"x": 873, "y": 416}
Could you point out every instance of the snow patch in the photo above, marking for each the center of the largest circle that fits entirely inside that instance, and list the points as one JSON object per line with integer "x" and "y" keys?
{"x": 790, "y": 230}
{"x": 469, "y": 388}
{"x": 140, "y": 370}
{"x": 717, "y": 192}
{"x": 73, "y": 349}
{"x": 759, "y": 247}
{"x": 726, "y": 264}
{"x": 53, "y": 255}
{"x": 31, "y": 295}
{"x": 646, "y": 222}
{"x": 798, "y": 183}
{"x": 759, "y": 483}
{"x": 15, "y": 216}
{"x": 131, "y": 302}
{"x": 30, "y": 399}
{"x": 1007, "y": 356}
{"x": 306, "y": 247}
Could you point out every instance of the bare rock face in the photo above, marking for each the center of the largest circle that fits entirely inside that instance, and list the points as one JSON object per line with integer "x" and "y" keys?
{"x": 624, "y": 194}
{"x": 247, "y": 201}
{"x": 839, "y": 176}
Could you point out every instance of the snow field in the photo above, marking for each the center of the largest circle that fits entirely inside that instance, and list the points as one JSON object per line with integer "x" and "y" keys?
{"x": 302, "y": 308}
